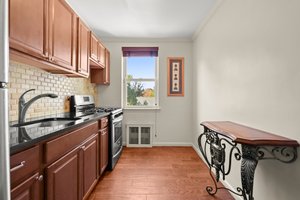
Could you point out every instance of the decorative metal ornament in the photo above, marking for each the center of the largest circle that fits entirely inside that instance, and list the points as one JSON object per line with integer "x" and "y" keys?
{"x": 249, "y": 159}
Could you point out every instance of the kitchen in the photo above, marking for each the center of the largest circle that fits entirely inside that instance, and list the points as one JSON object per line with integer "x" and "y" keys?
{"x": 240, "y": 65}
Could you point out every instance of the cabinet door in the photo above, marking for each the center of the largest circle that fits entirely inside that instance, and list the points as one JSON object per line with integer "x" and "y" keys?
{"x": 94, "y": 49}
{"x": 28, "y": 189}
{"x": 27, "y": 26}
{"x": 83, "y": 49}
{"x": 101, "y": 55}
{"x": 90, "y": 164}
{"x": 106, "y": 70}
{"x": 62, "y": 35}
{"x": 102, "y": 76}
{"x": 103, "y": 149}
{"x": 63, "y": 178}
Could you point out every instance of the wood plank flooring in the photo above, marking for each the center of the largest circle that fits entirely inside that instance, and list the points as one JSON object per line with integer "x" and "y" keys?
{"x": 158, "y": 173}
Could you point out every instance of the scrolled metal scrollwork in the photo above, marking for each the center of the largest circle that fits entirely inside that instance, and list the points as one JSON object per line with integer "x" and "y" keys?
{"x": 217, "y": 146}
{"x": 281, "y": 153}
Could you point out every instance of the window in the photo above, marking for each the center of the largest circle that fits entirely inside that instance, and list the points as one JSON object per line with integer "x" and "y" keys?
{"x": 140, "y": 77}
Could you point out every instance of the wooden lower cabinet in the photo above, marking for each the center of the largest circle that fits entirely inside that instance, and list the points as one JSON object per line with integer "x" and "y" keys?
{"x": 74, "y": 175}
{"x": 90, "y": 166}
{"x": 24, "y": 175}
{"x": 63, "y": 178}
{"x": 28, "y": 189}
{"x": 103, "y": 149}
{"x": 65, "y": 168}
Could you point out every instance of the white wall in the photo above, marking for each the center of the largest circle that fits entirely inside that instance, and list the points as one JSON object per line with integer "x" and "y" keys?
{"x": 247, "y": 70}
{"x": 174, "y": 120}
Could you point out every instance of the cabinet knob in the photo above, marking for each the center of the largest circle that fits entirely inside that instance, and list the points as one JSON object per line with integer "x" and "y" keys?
{"x": 40, "y": 178}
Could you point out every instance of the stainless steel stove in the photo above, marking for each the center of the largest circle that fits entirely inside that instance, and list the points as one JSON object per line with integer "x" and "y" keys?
{"x": 82, "y": 105}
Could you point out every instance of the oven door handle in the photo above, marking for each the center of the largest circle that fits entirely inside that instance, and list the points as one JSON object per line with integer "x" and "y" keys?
{"x": 117, "y": 119}
{"x": 119, "y": 151}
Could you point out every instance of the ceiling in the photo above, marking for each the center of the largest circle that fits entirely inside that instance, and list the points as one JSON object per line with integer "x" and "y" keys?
{"x": 161, "y": 19}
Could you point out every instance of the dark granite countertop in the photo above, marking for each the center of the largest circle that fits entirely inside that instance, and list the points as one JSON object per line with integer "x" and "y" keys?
{"x": 40, "y": 134}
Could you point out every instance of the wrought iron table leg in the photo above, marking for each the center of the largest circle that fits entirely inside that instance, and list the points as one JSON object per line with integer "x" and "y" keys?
{"x": 249, "y": 163}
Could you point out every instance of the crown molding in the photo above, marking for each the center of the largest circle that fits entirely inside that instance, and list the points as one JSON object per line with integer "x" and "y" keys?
{"x": 207, "y": 18}
{"x": 144, "y": 40}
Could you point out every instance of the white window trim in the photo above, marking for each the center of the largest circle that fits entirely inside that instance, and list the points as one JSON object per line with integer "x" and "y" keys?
{"x": 124, "y": 89}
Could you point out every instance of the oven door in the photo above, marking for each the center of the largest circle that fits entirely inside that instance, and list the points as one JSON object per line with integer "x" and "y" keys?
{"x": 117, "y": 135}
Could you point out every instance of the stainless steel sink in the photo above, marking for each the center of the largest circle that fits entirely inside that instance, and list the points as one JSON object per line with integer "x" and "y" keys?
{"x": 48, "y": 122}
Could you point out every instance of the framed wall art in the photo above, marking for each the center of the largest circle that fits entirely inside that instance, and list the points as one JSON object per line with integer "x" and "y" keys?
{"x": 175, "y": 76}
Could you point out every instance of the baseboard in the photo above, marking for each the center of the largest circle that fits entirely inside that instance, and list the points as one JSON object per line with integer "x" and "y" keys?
{"x": 180, "y": 144}
{"x": 224, "y": 182}
{"x": 169, "y": 144}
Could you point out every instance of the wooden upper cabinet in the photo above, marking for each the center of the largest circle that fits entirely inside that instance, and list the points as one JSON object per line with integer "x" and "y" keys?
{"x": 83, "y": 49}
{"x": 94, "y": 55}
{"x": 101, "y": 54}
{"x": 102, "y": 76}
{"x": 106, "y": 75}
{"x": 62, "y": 37}
{"x": 97, "y": 53}
{"x": 28, "y": 27}
{"x": 48, "y": 34}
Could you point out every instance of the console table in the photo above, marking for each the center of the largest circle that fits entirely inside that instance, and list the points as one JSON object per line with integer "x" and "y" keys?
{"x": 220, "y": 140}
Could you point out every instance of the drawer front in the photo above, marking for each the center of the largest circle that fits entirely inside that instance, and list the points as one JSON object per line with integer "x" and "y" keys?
{"x": 103, "y": 122}
{"x": 58, "y": 147}
{"x": 23, "y": 164}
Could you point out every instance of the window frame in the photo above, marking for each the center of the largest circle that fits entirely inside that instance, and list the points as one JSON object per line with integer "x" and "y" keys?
{"x": 125, "y": 81}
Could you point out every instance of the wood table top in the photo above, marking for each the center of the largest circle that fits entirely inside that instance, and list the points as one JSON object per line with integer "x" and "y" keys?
{"x": 247, "y": 135}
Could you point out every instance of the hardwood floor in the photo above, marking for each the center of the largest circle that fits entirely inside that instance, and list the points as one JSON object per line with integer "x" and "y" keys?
{"x": 158, "y": 173}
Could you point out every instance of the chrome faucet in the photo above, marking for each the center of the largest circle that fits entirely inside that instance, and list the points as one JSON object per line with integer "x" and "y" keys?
{"x": 23, "y": 107}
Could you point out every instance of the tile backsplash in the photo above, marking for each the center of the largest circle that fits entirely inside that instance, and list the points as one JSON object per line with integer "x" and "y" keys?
{"x": 23, "y": 77}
